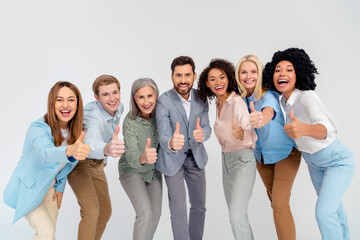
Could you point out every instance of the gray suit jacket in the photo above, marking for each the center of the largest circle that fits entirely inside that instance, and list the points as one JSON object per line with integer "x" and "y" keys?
{"x": 170, "y": 110}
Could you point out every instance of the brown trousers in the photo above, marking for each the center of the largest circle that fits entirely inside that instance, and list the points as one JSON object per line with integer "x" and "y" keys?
{"x": 88, "y": 181}
{"x": 278, "y": 179}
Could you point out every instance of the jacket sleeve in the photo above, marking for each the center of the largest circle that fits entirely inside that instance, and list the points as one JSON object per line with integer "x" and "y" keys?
{"x": 163, "y": 123}
{"x": 60, "y": 179}
{"x": 42, "y": 141}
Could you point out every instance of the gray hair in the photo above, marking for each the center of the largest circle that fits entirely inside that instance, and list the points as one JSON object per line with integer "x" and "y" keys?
{"x": 137, "y": 84}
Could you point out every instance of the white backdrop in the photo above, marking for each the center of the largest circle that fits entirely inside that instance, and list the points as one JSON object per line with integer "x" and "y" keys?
{"x": 45, "y": 41}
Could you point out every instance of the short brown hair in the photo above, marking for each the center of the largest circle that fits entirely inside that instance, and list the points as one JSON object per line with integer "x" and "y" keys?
{"x": 75, "y": 124}
{"x": 181, "y": 61}
{"x": 104, "y": 80}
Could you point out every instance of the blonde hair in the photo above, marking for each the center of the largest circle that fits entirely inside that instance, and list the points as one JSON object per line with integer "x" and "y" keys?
{"x": 259, "y": 88}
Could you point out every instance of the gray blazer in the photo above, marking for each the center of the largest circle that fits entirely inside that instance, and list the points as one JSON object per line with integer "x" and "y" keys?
{"x": 170, "y": 110}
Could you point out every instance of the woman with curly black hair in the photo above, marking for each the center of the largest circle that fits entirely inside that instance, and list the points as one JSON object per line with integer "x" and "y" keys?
{"x": 331, "y": 164}
{"x": 237, "y": 139}
{"x": 277, "y": 158}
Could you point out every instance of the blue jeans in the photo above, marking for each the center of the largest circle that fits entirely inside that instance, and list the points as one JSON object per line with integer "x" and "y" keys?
{"x": 331, "y": 170}
{"x": 239, "y": 172}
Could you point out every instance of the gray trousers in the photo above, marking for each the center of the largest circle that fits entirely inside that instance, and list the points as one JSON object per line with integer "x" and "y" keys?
{"x": 146, "y": 199}
{"x": 196, "y": 185}
{"x": 239, "y": 172}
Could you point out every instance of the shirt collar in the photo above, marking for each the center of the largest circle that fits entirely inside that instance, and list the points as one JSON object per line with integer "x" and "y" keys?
{"x": 229, "y": 98}
{"x": 183, "y": 99}
{"x": 106, "y": 114}
{"x": 251, "y": 98}
{"x": 292, "y": 98}
{"x": 143, "y": 121}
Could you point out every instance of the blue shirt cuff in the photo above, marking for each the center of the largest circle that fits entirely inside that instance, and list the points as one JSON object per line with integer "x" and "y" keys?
{"x": 71, "y": 159}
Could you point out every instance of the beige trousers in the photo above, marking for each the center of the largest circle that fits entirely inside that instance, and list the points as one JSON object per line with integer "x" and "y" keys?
{"x": 43, "y": 218}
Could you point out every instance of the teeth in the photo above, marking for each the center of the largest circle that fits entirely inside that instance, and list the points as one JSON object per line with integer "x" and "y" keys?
{"x": 217, "y": 88}
{"x": 283, "y": 81}
{"x": 65, "y": 111}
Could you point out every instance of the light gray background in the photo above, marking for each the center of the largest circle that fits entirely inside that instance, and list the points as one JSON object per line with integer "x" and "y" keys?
{"x": 45, "y": 41}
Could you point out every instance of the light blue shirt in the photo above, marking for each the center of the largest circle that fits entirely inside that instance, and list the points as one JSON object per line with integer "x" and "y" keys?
{"x": 99, "y": 127}
{"x": 273, "y": 143}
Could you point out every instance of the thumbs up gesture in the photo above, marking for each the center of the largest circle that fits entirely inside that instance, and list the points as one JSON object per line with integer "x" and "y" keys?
{"x": 295, "y": 129}
{"x": 177, "y": 141}
{"x": 78, "y": 150}
{"x": 237, "y": 131}
{"x": 116, "y": 147}
{"x": 198, "y": 132}
{"x": 149, "y": 156}
{"x": 256, "y": 118}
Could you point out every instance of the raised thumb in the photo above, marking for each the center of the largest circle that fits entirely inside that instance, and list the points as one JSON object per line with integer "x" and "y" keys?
{"x": 234, "y": 123}
{"x": 291, "y": 115}
{"x": 116, "y": 132}
{"x": 252, "y": 107}
{"x": 81, "y": 138}
{"x": 177, "y": 130}
{"x": 198, "y": 127}
{"x": 148, "y": 143}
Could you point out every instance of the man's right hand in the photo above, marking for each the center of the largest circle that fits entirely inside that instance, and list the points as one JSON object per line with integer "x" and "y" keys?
{"x": 116, "y": 147}
{"x": 177, "y": 141}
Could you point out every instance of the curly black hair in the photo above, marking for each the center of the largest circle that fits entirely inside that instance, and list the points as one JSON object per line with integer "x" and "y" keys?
{"x": 203, "y": 91}
{"x": 305, "y": 69}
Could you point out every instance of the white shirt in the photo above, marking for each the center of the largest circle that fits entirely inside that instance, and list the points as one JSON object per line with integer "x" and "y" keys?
{"x": 308, "y": 108}
{"x": 186, "y": 104}
{"x": 65, "y": 133}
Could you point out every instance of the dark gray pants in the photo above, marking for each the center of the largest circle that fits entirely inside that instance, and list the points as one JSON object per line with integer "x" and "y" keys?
{"x": 196, "y": 185}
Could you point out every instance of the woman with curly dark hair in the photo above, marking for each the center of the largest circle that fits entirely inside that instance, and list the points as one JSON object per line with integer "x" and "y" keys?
{"x": 237, "y": 139}
{"x": 278, "y": 160}
{"x": 331, "y": 164}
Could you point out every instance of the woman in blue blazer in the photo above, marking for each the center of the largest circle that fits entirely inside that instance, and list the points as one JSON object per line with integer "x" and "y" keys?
{"x": 52, "y": 146}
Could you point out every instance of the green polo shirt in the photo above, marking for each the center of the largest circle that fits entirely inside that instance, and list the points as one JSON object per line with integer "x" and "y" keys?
{"x": 136, "y": 131}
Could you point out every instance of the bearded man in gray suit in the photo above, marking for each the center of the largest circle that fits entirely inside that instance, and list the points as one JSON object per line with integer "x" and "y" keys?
{"x": 183, "y": 126}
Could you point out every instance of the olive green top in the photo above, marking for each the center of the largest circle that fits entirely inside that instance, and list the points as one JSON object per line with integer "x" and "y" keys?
{"x": 136, "y": 131}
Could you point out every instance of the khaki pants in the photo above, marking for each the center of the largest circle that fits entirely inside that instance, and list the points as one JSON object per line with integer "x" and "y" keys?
{"x": 43, "y": 218}
{"x": 88, "y": 181}
{"x": 278, "y": 179}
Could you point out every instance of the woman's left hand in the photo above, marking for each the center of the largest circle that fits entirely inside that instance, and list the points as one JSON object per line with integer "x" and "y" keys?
{"x": 58, "y": 196}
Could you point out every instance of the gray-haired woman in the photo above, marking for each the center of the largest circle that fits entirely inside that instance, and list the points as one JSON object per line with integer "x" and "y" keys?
{"x": 138, "y": 176}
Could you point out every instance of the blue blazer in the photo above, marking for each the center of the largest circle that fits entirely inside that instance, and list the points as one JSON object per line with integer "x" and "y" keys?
{"x": 170, "y": 110}
{"x": 36, "y": 170}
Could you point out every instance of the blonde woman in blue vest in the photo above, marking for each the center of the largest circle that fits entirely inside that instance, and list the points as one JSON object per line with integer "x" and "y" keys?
{"x": 52, "y": 146}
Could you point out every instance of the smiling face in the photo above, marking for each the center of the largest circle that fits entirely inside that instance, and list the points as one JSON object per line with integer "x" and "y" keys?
{"x": 218, "y": 83}
{"x": 248, "y": 76}
{"x": 285, "y": 78}
{"x": 145, "y": 99}
{"x": 183, "y": 79}
{"x": 109, "y": 97}
{"x": 65, "y": 106}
